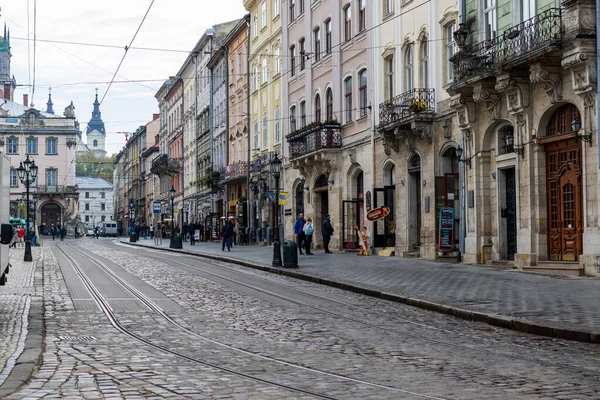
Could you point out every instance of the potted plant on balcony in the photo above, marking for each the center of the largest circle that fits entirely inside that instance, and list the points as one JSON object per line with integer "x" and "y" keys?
{"x": 417, "y": 106}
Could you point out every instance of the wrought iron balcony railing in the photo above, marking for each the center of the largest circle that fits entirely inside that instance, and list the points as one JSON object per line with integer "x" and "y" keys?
{"x": 520, "y": 43}
{"x": 162, "y": 165}
{"x": 49, "y": 189}
{"x": 235, "y": 170}
{"x": 407, "y": 104}
{"x": 313, "y": 138}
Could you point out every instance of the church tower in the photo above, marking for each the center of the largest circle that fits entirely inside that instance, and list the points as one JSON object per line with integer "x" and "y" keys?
{"x": 96, "y": 133}
{"x": 7, "y": 82}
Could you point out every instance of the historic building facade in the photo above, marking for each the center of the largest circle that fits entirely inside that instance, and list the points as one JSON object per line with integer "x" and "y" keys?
{"x": 327, "y": 114}
{"x": 96, "y": 200}
{"x": 524, "y": 96}
{"x": 95, "y": 131}
{"x": 266, "y": 100}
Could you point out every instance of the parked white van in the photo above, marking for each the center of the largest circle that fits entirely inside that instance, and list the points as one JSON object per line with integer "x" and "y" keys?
{"x": 110, "y": 228}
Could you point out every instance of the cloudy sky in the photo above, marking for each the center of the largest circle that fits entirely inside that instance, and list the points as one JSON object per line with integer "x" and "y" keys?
{"x": 75, "y": 71}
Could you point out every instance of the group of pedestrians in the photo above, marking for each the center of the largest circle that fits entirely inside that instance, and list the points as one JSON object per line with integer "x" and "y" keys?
{"x": 58, "y": 231}
{"x": 304, "y": 230}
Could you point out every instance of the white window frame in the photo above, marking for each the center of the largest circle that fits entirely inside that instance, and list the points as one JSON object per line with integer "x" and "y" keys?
{"x": 255, "y": 78}
{"x": 264, "y": 70}
{"x": 256, "y": 137}
{"x": 450, "y": 49}
{"x": 277, "y": 60}
{"x": 425, "y": 63}
{"x": 263, "y": 14}
{"x": 277, "y": 126}
{"x": 409, "y": 61}
{"x": 276, "y": 7}
{"x": 255, "y": 25}
{"x": 265, "y": 130}
{"x": 490, "y": 20}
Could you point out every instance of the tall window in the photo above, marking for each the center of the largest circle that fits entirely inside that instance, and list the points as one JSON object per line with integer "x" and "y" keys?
{"x": 240, "y": 63}
{"x": 276, "y": 7}
{"x": 292, "y": 10}
{"x": 14, "y": 180}
{"x": 255, "y": 25}
{"x": 255, "y": 78}
{"x": 329, "y": 104}
{"x": 301, "y": 6}
{"x": 256, "y": 137}
{"x": 32, "y": 146}
{"x": 95, "y": 143}
{"x": 51, "y": 146}
{"x": 292, "y": 119}
{"x": 348, "y": 99}
{"x": 450, "y": 49}
{"x": 347, "y": 23}
{"x": 263, "y": 14}
{"x": 302, "y": 57}
{"x": 362, "y": 92}
{"x": 408, "y": 67}
{"x": 425, "y": 63}
{"x": 51, "y": 177}
{"x": 328, "y": 36}
{"x": 527, "y": 9}
{"x": 102, "y": 195}
{"x": 277, "y": 126}
{"x": 265, "y": 141}
{"x": 277, "y": 60}
{"x": 264, "y": 70}
{"x": 362, "y": 17}
{"x": 87, "y": 206}
{"x": 317, "y": 37}
{"x": 318, "y": 108}
{"x": 293, "y": 60}
{"x": 389, "y": 77}
{"x": 13, "y": 146}
{"x": 302, "y": 114}
{"x": 489, "y": 19}
{"x": 388, "y": 7}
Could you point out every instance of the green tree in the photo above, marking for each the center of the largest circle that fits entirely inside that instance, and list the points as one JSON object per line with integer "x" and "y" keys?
{"x": 89, "y": 164}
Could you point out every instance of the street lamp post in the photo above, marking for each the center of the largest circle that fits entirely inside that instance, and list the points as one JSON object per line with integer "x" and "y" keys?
{"x": 27, "y": 172}
{"x": 276, "y": 171}
{"x": 172, "y": 198}
{"x": 35, "y": 200}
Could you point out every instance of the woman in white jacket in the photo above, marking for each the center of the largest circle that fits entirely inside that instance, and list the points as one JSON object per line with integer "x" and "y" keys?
{"x": 308, "y": 230}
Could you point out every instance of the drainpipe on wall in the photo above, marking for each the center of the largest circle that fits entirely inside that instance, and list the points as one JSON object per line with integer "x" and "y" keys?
{"x": 211, "y": 124}
{"x": 250, "y": 220}
{"x": 597, "y": 75}
{"x": 195, "y": 135}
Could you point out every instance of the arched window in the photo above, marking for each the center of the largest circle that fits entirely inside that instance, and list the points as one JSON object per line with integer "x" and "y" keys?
{"x": 362, "y": 92}
{"x": 302, "y": 114}
{"x": 348, "y": 98}
{"x": 293, "y": 119}
{"x": 318, "y": 108}
{"x": 408, "y": 66}
{"x": 560, "y": 121}
{"x": 299, "y": 198}
{"x": 425, "y": 63}
{"x": 95, "y": 143}
{"x": 329, "y": 109}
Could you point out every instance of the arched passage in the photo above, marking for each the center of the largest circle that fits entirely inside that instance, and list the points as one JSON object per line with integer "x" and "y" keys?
{"x": 321, "y": 204}
{"x": 353, "y": 211}
{"x": 385, "y": 229}
{"x": 414, "y": 202}
{"x": 51, "y": 215}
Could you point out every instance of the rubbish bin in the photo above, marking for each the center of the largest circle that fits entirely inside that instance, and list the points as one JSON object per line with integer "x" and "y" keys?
{"x": 178, "y": 241}
{"x": 290, "y": 254}
{"x": 132, "y": 237}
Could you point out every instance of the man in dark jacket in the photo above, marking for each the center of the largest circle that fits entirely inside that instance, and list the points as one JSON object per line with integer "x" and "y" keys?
{"x": 327, "y": 232}
{"x": 184, "y": 231}
{"x": 192, "y": 230}
{"x": 227, "y": 232}
{"x": 299, "y": 232}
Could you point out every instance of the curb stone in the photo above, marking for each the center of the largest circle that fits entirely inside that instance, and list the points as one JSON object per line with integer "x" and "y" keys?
{"x": 500, "y": 321}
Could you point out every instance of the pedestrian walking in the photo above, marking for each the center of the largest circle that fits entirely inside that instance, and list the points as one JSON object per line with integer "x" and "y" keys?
{"x": 192, "y": 230}
{"x": 53, "y": 231}
{"x": 152, "y": 231}
{"x": 327, "y": 232}
{"x": 184, "y": 231}
{"x": 227, "y": 233}
{"x": 299, "y": 231}
{"x": 21, "y": 236}
{"x": 308, "y": 230}
{"x": 63, "y": 233}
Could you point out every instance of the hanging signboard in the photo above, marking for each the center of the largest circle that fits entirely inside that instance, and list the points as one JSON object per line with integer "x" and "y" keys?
{"x": 156, "y": 206}
{"x": 446, "y": 233}
{"x": 378, "y": 213}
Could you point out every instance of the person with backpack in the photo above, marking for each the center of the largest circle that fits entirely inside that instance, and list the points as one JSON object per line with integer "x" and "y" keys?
{"x": 308, "y": 230}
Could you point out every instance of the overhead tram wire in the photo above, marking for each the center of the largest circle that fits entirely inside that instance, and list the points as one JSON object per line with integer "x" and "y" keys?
{"x": 126, "y": 49}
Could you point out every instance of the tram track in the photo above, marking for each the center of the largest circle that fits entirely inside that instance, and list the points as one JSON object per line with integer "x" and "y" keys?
{"x": 361, "y": 322}
{"x": 151, "y": 305}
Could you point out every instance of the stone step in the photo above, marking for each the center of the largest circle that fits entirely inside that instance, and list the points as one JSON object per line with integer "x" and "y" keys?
{"x": 563, "y": 268}
{"x": 508, "y": 264}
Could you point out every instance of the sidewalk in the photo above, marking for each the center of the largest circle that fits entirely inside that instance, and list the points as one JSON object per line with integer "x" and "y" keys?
{"x": 540, "y": 304}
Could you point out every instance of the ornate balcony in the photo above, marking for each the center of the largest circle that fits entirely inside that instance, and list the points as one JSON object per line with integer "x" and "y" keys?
{"x": 314, "y": 138}
{"x": 234, "y": 171}
{"x": 163, "y": 165}
{"x": 56, "y": 189}
{"x": 406, "y": 107}
{"x": 518, "y": 45}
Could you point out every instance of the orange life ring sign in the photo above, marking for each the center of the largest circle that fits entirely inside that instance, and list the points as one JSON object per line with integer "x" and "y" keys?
{"x": 378, "y": 213}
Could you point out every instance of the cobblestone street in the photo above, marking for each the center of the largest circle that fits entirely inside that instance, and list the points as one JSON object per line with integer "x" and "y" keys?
{"x": 193, "y": 328}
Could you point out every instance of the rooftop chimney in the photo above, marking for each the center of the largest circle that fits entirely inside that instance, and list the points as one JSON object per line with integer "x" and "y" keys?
{"x": 155, "y": 117}
{"x": 25, "y": 99}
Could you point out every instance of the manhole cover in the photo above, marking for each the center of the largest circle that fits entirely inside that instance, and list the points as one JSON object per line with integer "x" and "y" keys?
{"x": 77, "y": 338}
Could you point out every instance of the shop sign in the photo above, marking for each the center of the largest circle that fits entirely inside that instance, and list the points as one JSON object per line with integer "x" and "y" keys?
{"x": 156, "y": 207}
{"x": 378, "y": 213}
{"x": 446, "y": 234}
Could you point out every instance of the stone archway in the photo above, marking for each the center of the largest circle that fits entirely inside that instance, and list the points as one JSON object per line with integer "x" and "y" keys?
{"x": 51, "y": 215}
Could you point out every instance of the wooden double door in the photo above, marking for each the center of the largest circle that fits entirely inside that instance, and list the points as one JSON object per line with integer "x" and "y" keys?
{"x": 565, "y": 200}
